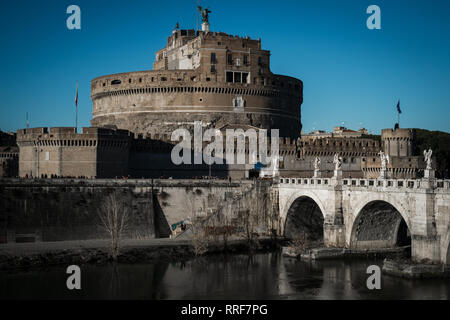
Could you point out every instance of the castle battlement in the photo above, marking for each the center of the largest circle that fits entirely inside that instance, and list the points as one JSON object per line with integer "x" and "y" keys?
{"x": 397, "y": 133}
{"x": 344, "y": 146}
{"x": 62, "y": 152}
{"x": 57, "y": 137}
{"x": 398, "y": 142}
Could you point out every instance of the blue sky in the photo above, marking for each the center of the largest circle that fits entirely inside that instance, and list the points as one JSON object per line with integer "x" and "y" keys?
{"x": 351, "y": 74}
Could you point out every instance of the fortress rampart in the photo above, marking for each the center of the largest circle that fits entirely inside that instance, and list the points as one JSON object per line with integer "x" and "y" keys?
{"x": 96, "y": 152}
{"x": 109, "y": 153}
{"x": 346, "y": 147}
{"x": 164, "y": 107}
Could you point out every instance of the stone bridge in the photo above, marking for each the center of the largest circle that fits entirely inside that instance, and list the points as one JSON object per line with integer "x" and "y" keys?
{"x": 370, "y": 214}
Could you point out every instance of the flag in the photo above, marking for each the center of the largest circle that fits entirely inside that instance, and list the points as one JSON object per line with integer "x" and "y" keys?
{"x": 76, "y": 97}
{"x": 398, "y": 107}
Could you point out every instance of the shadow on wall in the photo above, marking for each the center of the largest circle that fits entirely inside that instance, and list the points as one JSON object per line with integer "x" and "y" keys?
{"x": 152, "y": 159}
{"x": 162, "y": 228}
{"x": 62, "y": 213}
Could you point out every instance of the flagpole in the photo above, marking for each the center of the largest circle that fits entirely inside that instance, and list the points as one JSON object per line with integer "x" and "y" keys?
{"x": 76, "y": 110}
{"x": 198, "y": 3}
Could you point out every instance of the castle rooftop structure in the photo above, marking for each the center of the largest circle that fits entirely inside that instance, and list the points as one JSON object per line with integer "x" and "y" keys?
{"x": 212, "y": 77}
{"x": 338, "y": 132}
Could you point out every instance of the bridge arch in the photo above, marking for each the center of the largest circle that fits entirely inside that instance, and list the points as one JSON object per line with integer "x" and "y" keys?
{"x": 379, "y": 224}
{"x": 304, "y": 213}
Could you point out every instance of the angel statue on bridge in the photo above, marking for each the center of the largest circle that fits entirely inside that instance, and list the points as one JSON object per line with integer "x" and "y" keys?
{"x": 337, "y": 162}
{"x": 427, "y": 155}
{"x": 317, "y": 164}
{"x": 384, "y": 160}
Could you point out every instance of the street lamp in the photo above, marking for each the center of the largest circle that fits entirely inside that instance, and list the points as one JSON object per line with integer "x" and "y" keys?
{"x": 37, "y": 157}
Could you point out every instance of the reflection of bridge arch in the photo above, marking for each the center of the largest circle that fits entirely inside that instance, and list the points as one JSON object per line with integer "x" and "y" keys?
{"x": 304, "y": 214}
{"x": 379, "y": 224}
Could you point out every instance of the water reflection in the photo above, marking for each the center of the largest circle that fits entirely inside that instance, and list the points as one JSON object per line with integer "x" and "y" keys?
{"x": 261, "y": 276}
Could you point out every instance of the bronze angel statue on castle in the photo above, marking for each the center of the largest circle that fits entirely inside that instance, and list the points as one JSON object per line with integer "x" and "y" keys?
{"x": 205, "y": 14}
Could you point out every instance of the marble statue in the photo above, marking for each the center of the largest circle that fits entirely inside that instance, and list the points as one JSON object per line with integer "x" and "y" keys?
{"x": 427, "y": 155}
{"x": 337, "y": 162}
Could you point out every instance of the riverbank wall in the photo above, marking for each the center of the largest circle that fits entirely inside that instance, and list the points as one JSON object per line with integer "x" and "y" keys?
{"x": 41, "y": 255}
{"x": 345, "y": 253}
{"x": 47, "y": 210}
{"x": 406, "y": 269}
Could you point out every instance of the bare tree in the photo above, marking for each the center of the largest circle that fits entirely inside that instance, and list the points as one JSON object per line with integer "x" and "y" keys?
{"x": 250, "y": 222}
{"x": 114, "y": 218}
{"x": 199, "y": 236}
{"x": 219, "y": 219}
{"x": 273, "y": 225}
{"x": 254, "y": 218}
{"x": 227, "y": 229}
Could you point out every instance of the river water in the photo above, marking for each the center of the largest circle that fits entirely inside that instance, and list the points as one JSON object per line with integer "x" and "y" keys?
{"x": 260, "y": 276}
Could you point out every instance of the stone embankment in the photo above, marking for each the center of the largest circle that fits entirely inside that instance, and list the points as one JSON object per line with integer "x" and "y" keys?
{"x": 343, "y": 253}
{"x": 394, "y": 264}
{"x": 406, "y": 269}
{"x": 44, "y": 254}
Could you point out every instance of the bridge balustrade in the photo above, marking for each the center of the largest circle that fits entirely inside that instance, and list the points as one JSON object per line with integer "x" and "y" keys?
{"x": 367, "y": 183}
{"x": 302, "y": 181}
{"x": 443, "y": 184}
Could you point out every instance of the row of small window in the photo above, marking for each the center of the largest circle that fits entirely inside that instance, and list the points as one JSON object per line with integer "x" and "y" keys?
{"x": 82, "y": 143}
{"x": 117, "y": 82}
{"x": 237, "y": 77}
{"x": 351, "y": 160}
{"x": 266, "y": 93}
{"x": 347, "y": 144}
{"x": 230, "y": 76}
{"x": 230, "y": 59}
{"x": 244, "y": 77}
{"x": 375, "y": 159}
{"x": 8, "y": 155}
{"x": 68, "y": 143}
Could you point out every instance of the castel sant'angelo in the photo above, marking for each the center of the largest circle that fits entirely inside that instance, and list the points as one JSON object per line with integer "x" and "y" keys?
{"x": 212, "y": 77}
{"x": 221, "y": 80}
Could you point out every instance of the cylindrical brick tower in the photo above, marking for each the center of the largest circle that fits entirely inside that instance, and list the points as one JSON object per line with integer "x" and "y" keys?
{"x": 212, "y": 77}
